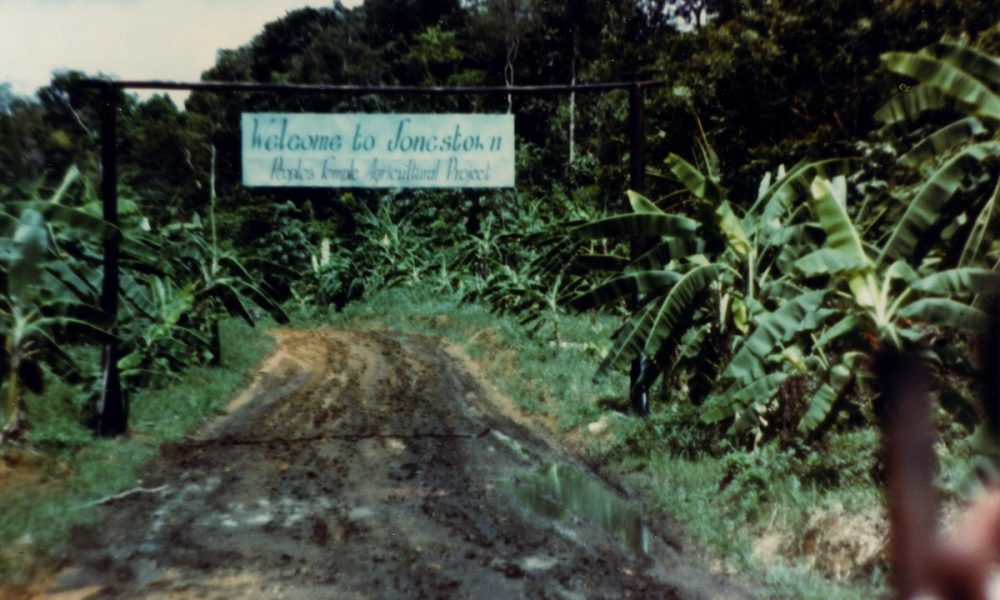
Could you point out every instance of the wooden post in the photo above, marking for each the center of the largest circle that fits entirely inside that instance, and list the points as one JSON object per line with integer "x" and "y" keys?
{"x": 638, "y": 393}
{"x": 111, "y": 412}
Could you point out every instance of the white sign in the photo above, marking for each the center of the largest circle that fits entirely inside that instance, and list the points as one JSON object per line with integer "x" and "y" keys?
{"x": 378, "y": 150}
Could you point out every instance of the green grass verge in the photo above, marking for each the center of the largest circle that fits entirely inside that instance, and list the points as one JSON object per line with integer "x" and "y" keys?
{"x": 767, "y": 514}
{"x": 70, "y": 470}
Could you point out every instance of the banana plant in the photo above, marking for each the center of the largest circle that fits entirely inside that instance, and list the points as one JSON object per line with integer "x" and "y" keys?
{"x": 162, "y": 343}
{"x": 887, "y": 305}
{"x": 217, "y": 280}
{"x": 38, "y": 320}
{"x": 707, "y": 279}
{"x": 221, "y": 284}
{"x": 885, "y": 300}
{"x": 960, "y": 161}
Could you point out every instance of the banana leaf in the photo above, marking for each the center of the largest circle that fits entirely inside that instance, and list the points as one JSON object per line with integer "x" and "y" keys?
{"x": 930, "y": 201}
{"x": 975, "y": 63}
{"x": 772, "y": 329}
{"x": 958, "y": 282}
{"x": 737, "y": 398}
{"x": 821, "y": 401}
{"x": 600, "y": 262}
{"x": 948, "y": 78}
{"x": 943, "y": 140}
{"x": 795, "y": 184}
{"x": 910, "y": 106}
{"x": 695, "y": 181}
{"x": 650, "y": 283}
{"x": 640, "y": 203}
{"x": 646, "y": 331}
{"x": 946, "y": 313}
{"x": 828, "y": 261}
{"x": 637, "y": 225}
{"x": 669, "y": 249}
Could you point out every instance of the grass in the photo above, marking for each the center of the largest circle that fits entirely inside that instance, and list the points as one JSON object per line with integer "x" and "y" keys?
{"x": 64, "y": 470}
{"x": 791, "y": 520}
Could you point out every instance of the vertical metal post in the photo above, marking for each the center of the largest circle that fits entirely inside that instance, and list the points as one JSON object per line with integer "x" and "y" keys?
{"x": 638, "y": 393}
{"x": 111, "y": 412}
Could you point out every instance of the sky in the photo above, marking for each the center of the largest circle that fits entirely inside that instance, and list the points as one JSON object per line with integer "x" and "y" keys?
{"x": 129, "y": 39}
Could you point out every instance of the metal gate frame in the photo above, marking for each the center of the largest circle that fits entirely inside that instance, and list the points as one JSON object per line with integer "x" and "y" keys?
{"x": 111, "y": 412}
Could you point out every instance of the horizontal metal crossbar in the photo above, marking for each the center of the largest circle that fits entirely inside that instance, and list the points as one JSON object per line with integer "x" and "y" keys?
{"x": 361, "y": 90}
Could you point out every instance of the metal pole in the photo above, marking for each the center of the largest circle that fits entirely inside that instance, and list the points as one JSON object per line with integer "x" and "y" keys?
{"x": 638, "y": 393}
{"x": 360, "y": 90}
{"x": 111, "y": 412}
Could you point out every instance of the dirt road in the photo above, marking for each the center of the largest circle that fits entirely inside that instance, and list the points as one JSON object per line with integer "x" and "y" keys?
{"x": 370, "y": 465}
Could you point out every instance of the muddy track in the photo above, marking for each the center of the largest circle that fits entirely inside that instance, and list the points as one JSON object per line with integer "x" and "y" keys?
{"x": 361, "y": 465}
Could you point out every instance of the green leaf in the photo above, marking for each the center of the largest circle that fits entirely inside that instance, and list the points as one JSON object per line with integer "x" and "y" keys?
{"x": 946, "y": 313}
{"x": 231, "y": 300}
{"x": 830, "y": 207}
{"x": 643, "y": 334}
{"x": 976, "y": 239}
{"x": 931, "y": 199}
{"x": 87, "y": 328}
{"x": 601, "y": 262}
{"x": 661, "y": 254}
{"x": 901, "y": 271}
{"x": 645, "y": 283}
{"x": 54, "y": 352}
{"x": 773, "y": 328}
{"x": 130, "y": 361}
{"x": 828, "y": 261}
{"x": 829, "y": 203}
{"x": 943, "y": 140}
{"x": 136, "y": 295}
{"x": 72, "y": 281}
{"x": 736, "y": 398}
{"x": 640, "y": 203}
{"x": 975, "y": 63}
{"x": 948, "y": 78}
{"x": 822, "y": 400}
{"x": 30, "y": 244}
{"x": 794, "y": 185}
{"x": 702, "y": 186}
{"x": 957, "y": 282}
{"x": 264, "y": 301}
{"x": 74, "y": 218}
{"x": 909, "y": 106}
{"x": 71, "y": 176}
{"x": 841, "y": 327}
{"x": 637, "y": 225}
{"x": 729, "y": 223}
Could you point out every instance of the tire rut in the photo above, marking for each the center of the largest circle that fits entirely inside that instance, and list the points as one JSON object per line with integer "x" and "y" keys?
{"x": 361, "y": 465}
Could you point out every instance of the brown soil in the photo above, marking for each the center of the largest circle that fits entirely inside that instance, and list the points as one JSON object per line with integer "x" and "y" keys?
{"x": 20, "y": 469}
{"x": 359, "y": 465}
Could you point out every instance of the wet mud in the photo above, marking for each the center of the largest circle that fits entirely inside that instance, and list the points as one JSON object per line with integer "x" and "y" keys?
{"x": 372, "y": 465}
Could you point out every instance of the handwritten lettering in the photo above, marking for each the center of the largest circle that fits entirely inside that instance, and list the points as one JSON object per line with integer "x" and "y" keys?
{"x": 381, "y": 151}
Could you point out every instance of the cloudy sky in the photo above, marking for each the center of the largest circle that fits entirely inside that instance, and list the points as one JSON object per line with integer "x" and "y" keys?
{"x": 129, "y": 39}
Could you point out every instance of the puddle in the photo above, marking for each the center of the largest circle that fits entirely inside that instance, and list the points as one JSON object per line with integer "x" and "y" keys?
{"x": 561, "y": 493}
